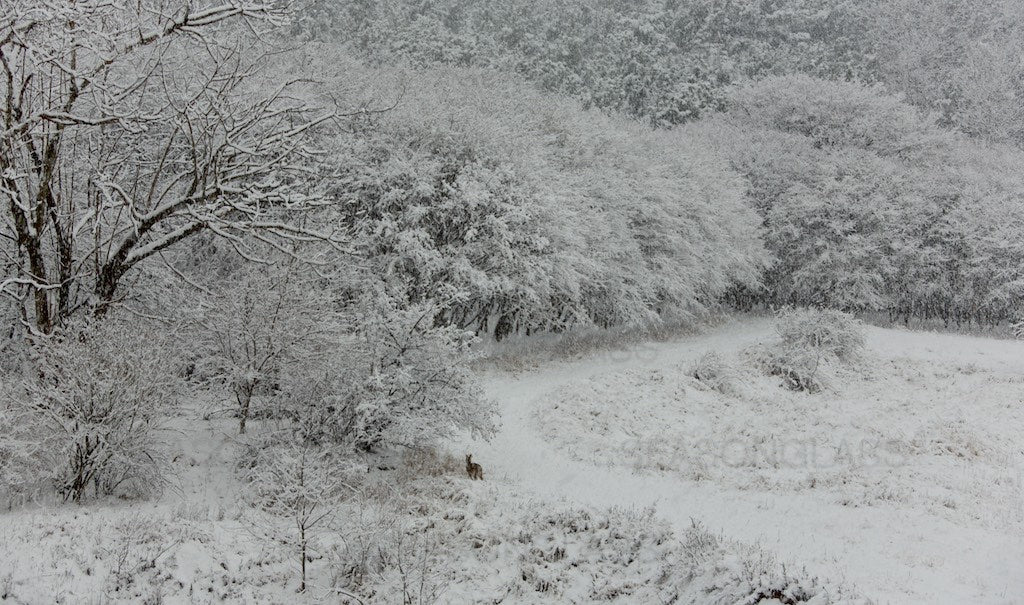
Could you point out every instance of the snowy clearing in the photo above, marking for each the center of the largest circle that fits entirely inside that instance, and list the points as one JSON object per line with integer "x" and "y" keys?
{"x": 413, "y": 529}
{"x": 604, "y": 483}
{"x": 930, "y": 512}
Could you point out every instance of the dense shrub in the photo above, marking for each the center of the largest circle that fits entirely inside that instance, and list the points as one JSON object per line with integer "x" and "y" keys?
{"x": 715, "y": 372}
{"x": 331, "y": 355}
{"x": 398, "y": 379}
{"x": 812, "y": 345}
{"x": 419, "y": 387}
{"x": 98, "y": 400}
{"x": 831, "y": 332}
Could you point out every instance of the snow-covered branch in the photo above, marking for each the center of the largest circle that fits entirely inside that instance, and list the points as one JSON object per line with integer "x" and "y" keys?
{"x": 117, "y": 143}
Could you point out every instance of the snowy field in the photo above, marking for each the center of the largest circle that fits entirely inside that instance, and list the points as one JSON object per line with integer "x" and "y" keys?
{"x": 903, "y": 478}
{"x": 615, "y": 477}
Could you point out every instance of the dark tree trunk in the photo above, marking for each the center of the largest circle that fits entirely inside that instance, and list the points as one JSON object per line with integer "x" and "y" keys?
{"x": 243, "y": 394}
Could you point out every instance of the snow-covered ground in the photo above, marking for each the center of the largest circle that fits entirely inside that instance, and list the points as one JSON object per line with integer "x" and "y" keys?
{"x": 419, "y": 531}
{"x": 614, "y": 476}
{"x": 903, "y": 479}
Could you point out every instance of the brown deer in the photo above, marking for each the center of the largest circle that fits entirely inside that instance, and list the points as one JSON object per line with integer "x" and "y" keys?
{"x": 474, "y": 470}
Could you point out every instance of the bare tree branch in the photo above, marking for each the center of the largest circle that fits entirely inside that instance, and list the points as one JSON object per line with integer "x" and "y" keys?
{"x": 116, "y": 143}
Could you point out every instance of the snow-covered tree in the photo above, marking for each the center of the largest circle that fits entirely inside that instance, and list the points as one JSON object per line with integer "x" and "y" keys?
{"x": 664, "y": 62}
{"x": 868, "y": 204}
{"x": 516, "y": 212}
{"x": 126, "y": 128}
{"x": 299, "y": 486}
{"x": 262, "y": 323}
{"x": 414, "y": 384}
{"x": 957, "y": 58}
{"x": 98, "y": 401}
{"x": 453, "y": 227}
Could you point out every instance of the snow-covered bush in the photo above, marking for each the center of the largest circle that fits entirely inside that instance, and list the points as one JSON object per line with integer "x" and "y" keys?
{"x": 832, "y": 332}
{"x": 419, "y": 386}
{"x": 715, "y": 372}
{"x": 868, "y": 204}
{"x": 394, "y": 378}
{"x": 403, "y": 381}
{"x": 812, "y": 343}
{"x": 98, "y": 398}
{"x": 262, "y": 324}
{"x": 299, "y": 485}
{"x": 800, "y": 369}
{"x": 25, "y": 458}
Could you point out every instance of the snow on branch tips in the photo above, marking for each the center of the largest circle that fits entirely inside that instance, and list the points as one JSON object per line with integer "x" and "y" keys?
{"x": 129, "y": 128}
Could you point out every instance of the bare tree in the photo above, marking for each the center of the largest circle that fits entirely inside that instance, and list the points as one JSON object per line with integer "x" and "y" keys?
{"x": 300, "y": 486}
{"x": 271, "y": 320}
{"x": 99, "y": 405}
{"x": 129, "y": 127}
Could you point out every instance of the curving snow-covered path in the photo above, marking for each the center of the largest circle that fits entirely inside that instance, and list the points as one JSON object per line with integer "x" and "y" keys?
{"x": 891, "y": 555}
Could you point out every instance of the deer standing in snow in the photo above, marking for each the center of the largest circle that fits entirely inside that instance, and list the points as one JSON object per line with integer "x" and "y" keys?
{"x": 474, "y": 470}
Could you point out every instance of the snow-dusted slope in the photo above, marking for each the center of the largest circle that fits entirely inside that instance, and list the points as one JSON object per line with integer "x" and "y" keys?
{"x": 896, "y": 554}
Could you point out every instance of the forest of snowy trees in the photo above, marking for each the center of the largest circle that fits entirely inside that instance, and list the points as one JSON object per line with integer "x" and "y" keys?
{"x": 314, "y": 214}
{"x": 884, "y": 173}
{"x": 194, "y": 172}
{"x": 407, "y": 142}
